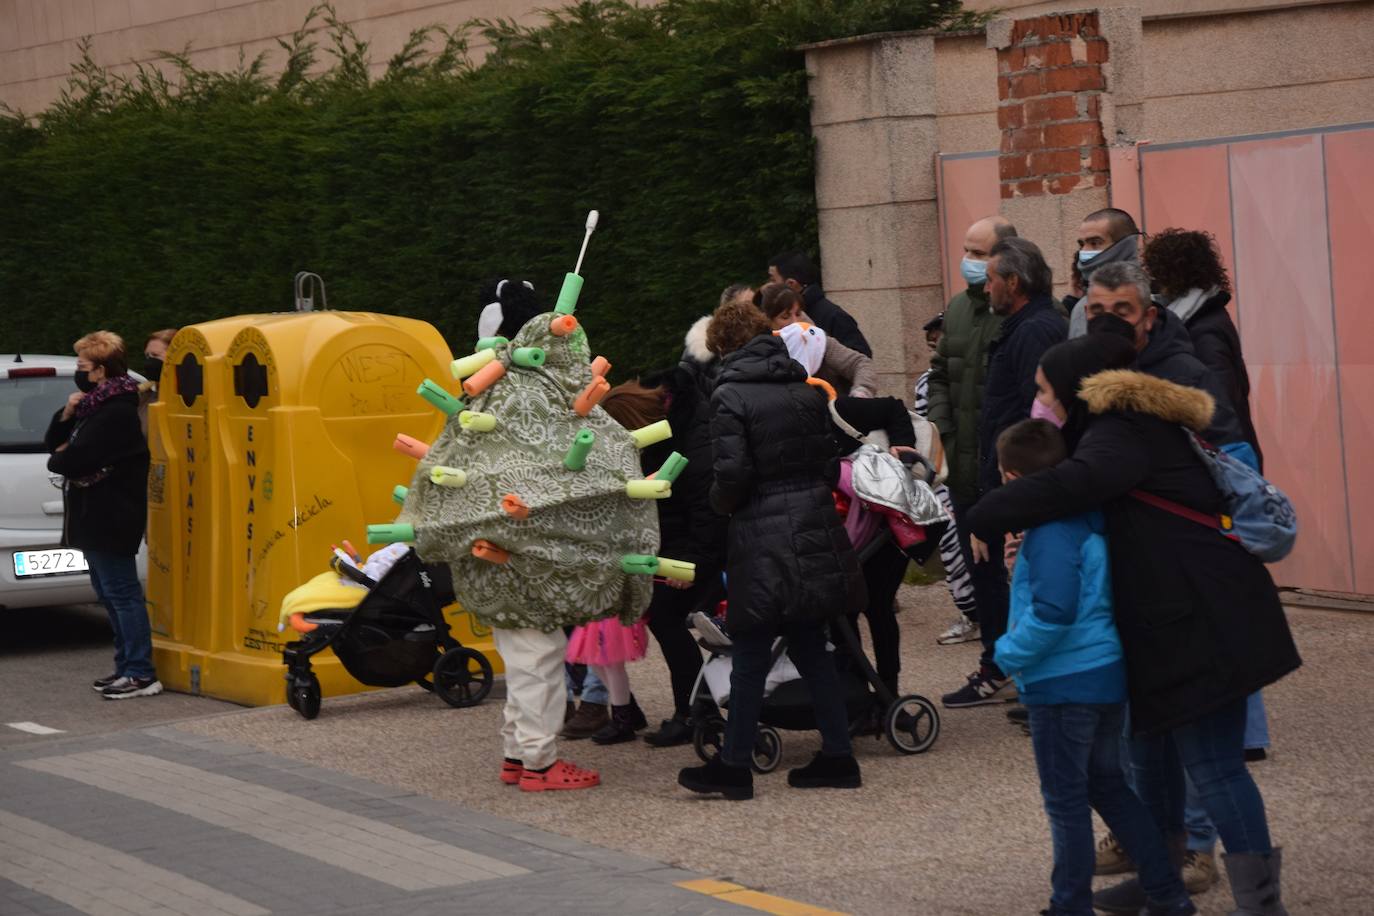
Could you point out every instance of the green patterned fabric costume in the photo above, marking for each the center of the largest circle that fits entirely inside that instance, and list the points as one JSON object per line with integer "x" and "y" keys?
{"x": 565, "y": 557}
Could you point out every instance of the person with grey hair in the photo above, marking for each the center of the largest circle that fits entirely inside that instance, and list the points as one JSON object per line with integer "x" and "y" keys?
{"x": 1019, "y": 283}
{"x": 1119, "y": 302}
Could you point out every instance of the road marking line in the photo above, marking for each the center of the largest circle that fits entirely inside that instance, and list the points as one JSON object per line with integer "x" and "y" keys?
{"x": 361, "y": 845}
{"x": 96, "y": 879}
{"x": 34, "y": 728}
{"x": 755, "y": 900}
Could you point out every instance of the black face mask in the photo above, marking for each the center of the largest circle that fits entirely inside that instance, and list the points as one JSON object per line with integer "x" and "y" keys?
{"x": 83, "y": 381}
{"x": 1108, "y": 323}
{"x": 152, "y": 368}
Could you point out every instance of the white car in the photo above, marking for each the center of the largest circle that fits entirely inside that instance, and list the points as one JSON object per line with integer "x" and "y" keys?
{"x": 35, "y": 569}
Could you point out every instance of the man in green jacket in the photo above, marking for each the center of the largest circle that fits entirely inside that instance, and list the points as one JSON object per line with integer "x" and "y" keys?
{"x": 956, "y": 388}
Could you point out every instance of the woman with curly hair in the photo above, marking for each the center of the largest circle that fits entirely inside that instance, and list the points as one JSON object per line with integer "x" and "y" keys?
{"x": 1185, "y": 266}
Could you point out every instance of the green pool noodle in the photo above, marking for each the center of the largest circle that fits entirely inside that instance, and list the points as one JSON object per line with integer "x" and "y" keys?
{"x": 477, "y": 422}
{"x": 399, "y": 494}
{"x": 639, "y": 564}
{"x": 491, "y": 343}
{"x": 646, "y": 436}
{"x": 431, "y": 391}
{"x": 442, "y": 476}
{"x": 529, "y": 357}
{"x": 567, "y": 296}
{"x": 389, "y": 534}
{"x": 680, "y": 570}
{"x": 673, "y": 466}
{"x": 576, "y": 458}
{"x": 648, "y": 489}
{"x": 468, "y": 365}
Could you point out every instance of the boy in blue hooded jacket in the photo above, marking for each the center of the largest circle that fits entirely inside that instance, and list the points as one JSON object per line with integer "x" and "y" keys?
{"x": 1062, "y": 648}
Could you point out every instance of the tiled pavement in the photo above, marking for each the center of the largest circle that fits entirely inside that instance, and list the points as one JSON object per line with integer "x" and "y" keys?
{"x": 156, "y": 822}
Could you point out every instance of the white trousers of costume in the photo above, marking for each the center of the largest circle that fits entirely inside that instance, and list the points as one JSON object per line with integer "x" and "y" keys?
{"x": 536, "y": 700}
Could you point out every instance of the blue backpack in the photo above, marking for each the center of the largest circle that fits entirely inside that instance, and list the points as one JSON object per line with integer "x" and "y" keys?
{"x": 1258, "y": 515}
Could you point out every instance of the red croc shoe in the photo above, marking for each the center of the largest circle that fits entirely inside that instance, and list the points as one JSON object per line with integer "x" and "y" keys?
{"x": 511, "y": 772}
{"x": 562, "y": 775}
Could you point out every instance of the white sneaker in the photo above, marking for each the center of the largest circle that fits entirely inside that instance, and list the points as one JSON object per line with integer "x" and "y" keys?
{"x": 962, "y": 630}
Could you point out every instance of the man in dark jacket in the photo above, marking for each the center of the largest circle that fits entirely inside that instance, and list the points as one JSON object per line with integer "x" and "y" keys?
{"x": 955, "y": 384}
{"x": 1019, "y": 289}
{"x": 1108, "y": 236}
{"x": 796, "y": 271}
{"x": 1119, "y": 302}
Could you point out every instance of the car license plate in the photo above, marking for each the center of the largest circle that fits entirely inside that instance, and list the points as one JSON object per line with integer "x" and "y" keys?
{"x": 57, "y": 562}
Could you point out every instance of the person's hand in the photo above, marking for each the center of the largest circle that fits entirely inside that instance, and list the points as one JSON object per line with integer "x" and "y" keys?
{"x": 70, "y": 407}
{"x": 899, "y": 450}
{"x": 978, "y": 549}
{"x": 1011, "y": 548}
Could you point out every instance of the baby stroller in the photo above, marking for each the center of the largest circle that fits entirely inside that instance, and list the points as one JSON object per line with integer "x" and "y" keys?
{"x": 911, "y": 723}
{"x": 396, "y": 634}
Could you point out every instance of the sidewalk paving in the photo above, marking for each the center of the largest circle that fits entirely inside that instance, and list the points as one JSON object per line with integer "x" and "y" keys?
{"x": 958, "y": 830}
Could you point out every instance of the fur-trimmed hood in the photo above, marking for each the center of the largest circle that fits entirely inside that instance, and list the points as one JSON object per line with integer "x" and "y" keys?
{"x": 1124, "y": 389}
{"x": 695, "y": 342}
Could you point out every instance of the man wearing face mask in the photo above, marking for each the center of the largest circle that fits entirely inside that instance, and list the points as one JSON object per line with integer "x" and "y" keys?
{"x": 955, "y": 385}
{"x": 154, "y": 352}
{"x": 1119, "y": 302}
{"x": 1106, "y": 237}
{"x": 1019, "y": 288}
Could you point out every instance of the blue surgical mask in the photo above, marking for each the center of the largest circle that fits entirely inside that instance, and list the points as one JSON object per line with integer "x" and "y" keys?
{"x": 1084, "y": 255}
{"x": 975, "y": 272}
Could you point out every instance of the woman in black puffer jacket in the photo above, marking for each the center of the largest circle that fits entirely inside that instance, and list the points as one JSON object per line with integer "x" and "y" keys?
{"x": 1199, "y": 616}
{"x": 790, "y": 566}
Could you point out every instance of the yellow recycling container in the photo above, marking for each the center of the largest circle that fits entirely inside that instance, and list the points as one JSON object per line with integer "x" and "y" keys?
{"x": 298, "y": 422}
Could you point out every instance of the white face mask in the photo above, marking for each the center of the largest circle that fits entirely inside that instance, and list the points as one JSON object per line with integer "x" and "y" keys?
{"x": 974, "y": 272}
{"x": 1084, "y": 255}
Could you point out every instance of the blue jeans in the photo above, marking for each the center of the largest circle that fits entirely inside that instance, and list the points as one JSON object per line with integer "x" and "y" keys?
{"x": 1202, "y": 836}
{"x": 1078, "y": 754}
{"x": 751, "y": 659}
{"x": 115, "y": 580}
{"x": 1211, "y": 751}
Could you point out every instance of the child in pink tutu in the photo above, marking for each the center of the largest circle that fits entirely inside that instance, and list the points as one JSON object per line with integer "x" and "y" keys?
{"x": 606, "y": 645}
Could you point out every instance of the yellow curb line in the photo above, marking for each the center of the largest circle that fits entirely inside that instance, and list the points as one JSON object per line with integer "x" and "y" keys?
{"x": 738, "y": 894}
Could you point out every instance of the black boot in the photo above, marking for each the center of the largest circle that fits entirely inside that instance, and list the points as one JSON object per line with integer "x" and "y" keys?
{"x": 622, "y": 726}
{"x": 827, "y": 773}
{"x": 637, "y": 720}
{"x": 671, "y": 733}
{"x": 735, "y": 783}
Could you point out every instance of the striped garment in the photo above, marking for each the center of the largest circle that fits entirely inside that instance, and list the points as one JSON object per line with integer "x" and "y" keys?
{"x": 956, "y": 572}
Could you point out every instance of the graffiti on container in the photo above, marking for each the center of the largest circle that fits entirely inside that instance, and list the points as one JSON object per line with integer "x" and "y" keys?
{"x": 261, "y": 639}
{"x": 303, "y": 514}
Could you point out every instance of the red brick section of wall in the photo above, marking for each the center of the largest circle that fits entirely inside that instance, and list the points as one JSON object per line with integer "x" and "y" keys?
{"x": 1049, "y": 85}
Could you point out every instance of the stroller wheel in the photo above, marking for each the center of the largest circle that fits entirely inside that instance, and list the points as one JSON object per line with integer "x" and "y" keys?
{"x": 912, "y": 724}
{"x": 708, "y": 737}
{"x": 462, "y": 677}
{"x": 304, "y": 695}
{"x": 767, "y": 749}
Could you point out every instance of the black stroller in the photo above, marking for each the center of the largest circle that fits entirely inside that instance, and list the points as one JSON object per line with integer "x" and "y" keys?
{"x": 911, "y": 723}
{"x": 397, "y": 634}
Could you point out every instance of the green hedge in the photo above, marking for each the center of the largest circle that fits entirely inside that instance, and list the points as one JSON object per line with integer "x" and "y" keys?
{"x": 137, "y": 203}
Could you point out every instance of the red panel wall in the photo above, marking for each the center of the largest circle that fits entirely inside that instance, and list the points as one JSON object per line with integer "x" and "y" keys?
{"x": 1189, "y": 188}
{"x": 1350, "y": 192}
{"x": 1282, "y": 263}
{"x": 969, "y": 191}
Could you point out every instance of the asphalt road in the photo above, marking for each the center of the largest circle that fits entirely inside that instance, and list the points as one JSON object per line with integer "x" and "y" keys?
{"x": 48, "y": 658}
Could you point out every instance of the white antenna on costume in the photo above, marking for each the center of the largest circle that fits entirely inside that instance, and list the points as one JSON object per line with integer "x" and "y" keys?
{"x": 592, "y": 217}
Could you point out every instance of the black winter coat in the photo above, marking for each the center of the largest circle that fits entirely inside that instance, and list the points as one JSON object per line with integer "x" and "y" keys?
{"x": 689, "y": 529}
{"x": 111, "y": 513}
{"x": 1169, "y": 355}
{"x": 1216, "y": 342}
{"x": 789, "y": 559}
{"x": 1199, "y": 616}
{"x": 833, "y": 320}
{"x": 1010, "y": 388}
